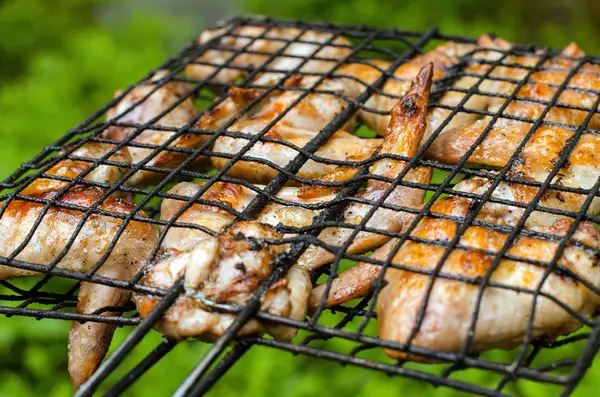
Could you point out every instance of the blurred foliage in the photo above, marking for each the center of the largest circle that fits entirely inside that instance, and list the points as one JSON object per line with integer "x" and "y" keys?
{"x": 30, "y": 30}
{"x": 60, "y": 83}
{"x": 553, "y": 22}
{"x": 60, "y": 64}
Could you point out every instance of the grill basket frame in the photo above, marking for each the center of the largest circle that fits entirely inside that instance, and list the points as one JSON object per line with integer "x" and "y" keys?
{"x": 16, "y": 300}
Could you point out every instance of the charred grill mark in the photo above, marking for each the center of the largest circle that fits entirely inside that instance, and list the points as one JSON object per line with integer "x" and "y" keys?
{"x": 241, "y": 267}
{"x": 410, "y": 106}
{"x": 256, "y": 244}
{"x": 519, "y": 161}
{"x": 239, "y": 236}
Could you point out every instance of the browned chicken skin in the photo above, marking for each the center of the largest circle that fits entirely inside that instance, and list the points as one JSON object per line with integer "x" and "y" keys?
{"x": 503, "y": 313}
{"x": 225, "y": 269}
{"x": 405, "y": 132}
{"x": 542, "y": 85}
{"x": 88, "y": 342}
{"x": 443, "y": 57}
{"x": 299, "y": 126}
{"x": 303, "y": 122}
{"x": 502, "y": 321}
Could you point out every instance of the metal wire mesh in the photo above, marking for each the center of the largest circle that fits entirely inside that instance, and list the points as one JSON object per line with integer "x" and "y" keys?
{"x": 345, "y": 333}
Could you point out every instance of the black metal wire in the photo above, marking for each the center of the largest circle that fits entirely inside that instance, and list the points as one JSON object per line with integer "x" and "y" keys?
{"x": 348, "y": 322}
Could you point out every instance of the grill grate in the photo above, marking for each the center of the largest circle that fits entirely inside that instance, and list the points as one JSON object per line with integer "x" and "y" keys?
{"x": 346, "y": 333}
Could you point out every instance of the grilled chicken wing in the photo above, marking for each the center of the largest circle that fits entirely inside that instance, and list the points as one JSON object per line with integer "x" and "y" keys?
{"x": 299, "y": 126}
{"x": 404, "y": 135}
{"x": 503, "y": 317}
{"x": 504, "y": 313}
{"x": 443, "y": 57}
{"x": 85, "y": 244}
{"x": 149, "y": 100}
{"x": 531, "y": 102}
{"x": 259, "y": 44}
{"x": 226, "y": 269}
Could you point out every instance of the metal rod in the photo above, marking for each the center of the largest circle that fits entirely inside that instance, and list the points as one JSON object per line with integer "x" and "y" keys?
{"x": 135, "y": 373}
{"x": 130, "y": 342}
{"x": 221, "y": 368}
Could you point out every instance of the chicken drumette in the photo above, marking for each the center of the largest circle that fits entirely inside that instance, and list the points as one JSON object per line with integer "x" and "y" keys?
{"x": 144, "y": 103}
{"x": 85, "y": 242}
{"x": 503, "y": 313}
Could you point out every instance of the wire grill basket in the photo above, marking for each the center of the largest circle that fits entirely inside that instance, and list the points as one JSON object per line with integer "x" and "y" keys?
{"x": 348, "y": 332}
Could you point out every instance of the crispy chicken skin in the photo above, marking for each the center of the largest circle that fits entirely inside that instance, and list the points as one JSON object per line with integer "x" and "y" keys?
{"x": 299, "y": 126}
{"x": 158, "y": 101}
{"x": 226, "y": 269}
{"x": 536, "y": 158}
{"x": 223, "y": 269}
{"x": 71, "y": 168}
{"x": 274, "y": 39}
{"x": 88, "y": 342}
{"x": 313, "y": 112}
{"x": 236, "y": 197}
{"x": 443, "y": 57}
{"x": 502, "y": 321}
{"x": 405, "y": 132}
{"x": 503, "y": 313}
{"x": 542, "y": 86}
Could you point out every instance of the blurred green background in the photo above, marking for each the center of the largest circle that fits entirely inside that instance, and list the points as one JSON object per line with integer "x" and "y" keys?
{"x": 60, "y": 60}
